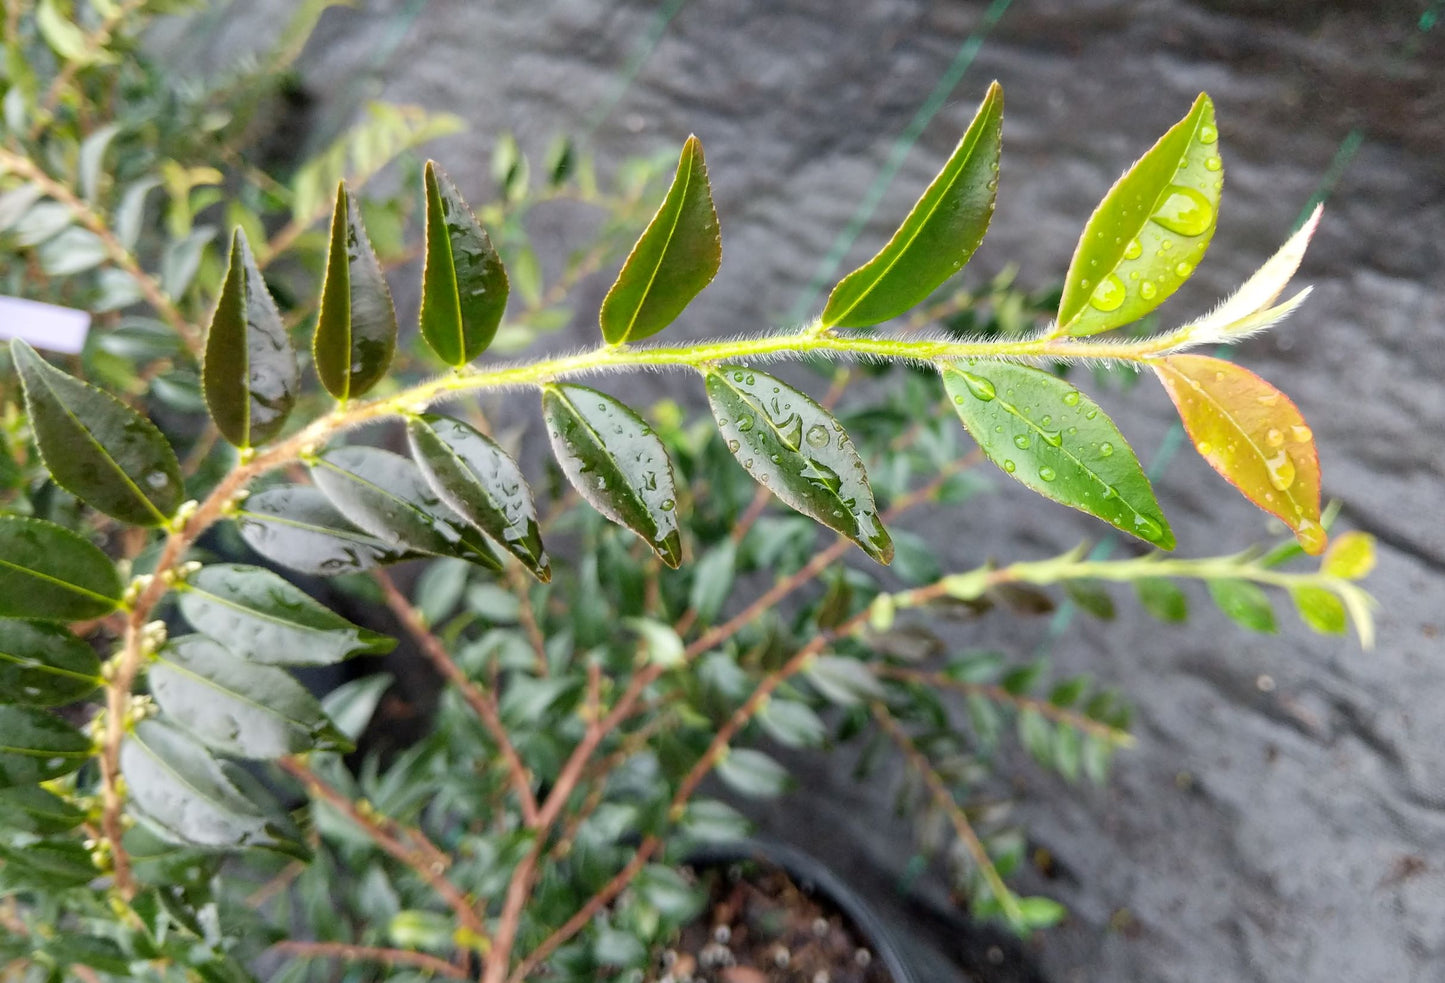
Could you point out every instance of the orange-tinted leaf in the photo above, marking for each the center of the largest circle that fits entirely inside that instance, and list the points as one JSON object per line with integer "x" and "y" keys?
{"x": 1251, "y": 433}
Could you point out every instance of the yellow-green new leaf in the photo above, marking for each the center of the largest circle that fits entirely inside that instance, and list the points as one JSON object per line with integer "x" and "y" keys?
{"x": 939, "y": 235}
{"x": 464, "y": 287}
{"x": 249, "y": 376}
{"x": 1251, "y": 433}
{"x": 1150, "y": 231}
{"x": 356, "y": 326}
{"x": 677, "y": 255}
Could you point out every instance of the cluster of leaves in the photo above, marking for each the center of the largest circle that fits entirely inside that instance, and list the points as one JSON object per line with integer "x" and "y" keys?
{"x": 566, "y": 756}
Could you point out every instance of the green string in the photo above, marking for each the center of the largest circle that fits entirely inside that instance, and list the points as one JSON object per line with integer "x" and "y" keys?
{"x": 967, "y": 52}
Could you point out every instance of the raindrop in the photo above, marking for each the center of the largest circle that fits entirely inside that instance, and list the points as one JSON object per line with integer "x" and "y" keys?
{"x": 1311, "y": 535}
{"x": 1268, "y": 399}
{"x": 745, "y": 423}
{"x": 1089, "y": 415}
{"x": 1300, "y": 434}
{"x": 1106, "y": 449}
{"x": 817, "y": 436}
{"x": 1133, "y": 250}
{"x": 1208, "y": 134}
{"x": 1009, "y": 466}
{"x": 1148, "y": 528}
{"x": 1071, "y": 398}
{"x": 1185, "y": 211}
{"x": 1108, "y": 295}
{"x": 981, "y": 388}
{"x": 1047, "y": 473}
{"x": 157, "y": 479}
{"x": 1147, "y": 290}
{"x": 1053, "y": 438}
{"x": 733, "y": 446}
{"x": 1021, "y": 441}
{"x": 1281, "y": 470}
{"x": 1183, "y": 269}
{"x": 1213, "y": 163}
{"x": 667, "y": 505}
{"x": 1205, "y": 446}
{"x": 1273, "y": 437}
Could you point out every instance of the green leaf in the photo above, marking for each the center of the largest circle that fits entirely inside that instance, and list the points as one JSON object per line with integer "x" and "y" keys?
{"x": 356, "y": 326}
{"x": 46, "y": 866}
{"x": 843, "y": 681}
{"x": 249, "y": 373}
{"x": 1321, "y": 609}
{"x": 792, "y": 723}
{"x": 1244, "y": 602}
{"x": 482, "y": 484}
{"x": 237, "y": 707}
{"x": 1351, "y": 556}
{"x": 32, "y": 810}
{"x": 262, "y": 617}
{"x": 351, "y": 705}
{"x": 1162, "y": 599}
{"x": 464, "y": 286}
{"x": 1046, "y": 434}
{"x": 1150, "y": 231}
{"x": 386, "y": 496}
{"x": 617, "y": 463}
{"x": 798, "y": 451}
{"x": 47, "y": 571}
{"x": 664, "y": 646}
{"x": 677, "y": 255}
{"x": 186, "y": 796}
{"x": 97, "y": 952}
{"x": 711, "y": 821}
{"x": 712, "y": 580}
{"x": 1041, "y": 912}
{"x": 1091, "y": 597}
{"x": 673, "y": 895}
{"x": 44, "y": 665}
{"x": 36, "y": 746}
{"x": 939, "y": 235}
{"x": 297, "y": 527}
{"x": 753, "y": 773}
{"x": 97, "y": 448}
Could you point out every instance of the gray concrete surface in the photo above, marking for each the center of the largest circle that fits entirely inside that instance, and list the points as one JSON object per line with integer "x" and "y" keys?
{"x": 1287, "y": 833}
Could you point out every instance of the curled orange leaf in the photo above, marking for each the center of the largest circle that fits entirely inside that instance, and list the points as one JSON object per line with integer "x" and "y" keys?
{"x": 1251, "y": 433}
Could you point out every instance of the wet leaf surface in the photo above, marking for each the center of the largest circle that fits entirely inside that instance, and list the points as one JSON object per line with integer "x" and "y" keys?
{"x": 36, "y": 746}
{"x": 464, "y": 285}
{"x": 44, "y": 664}
{"x": 356, "y": 326}
{"x": 49, "y": 572}
{"x": 298, "y": 527}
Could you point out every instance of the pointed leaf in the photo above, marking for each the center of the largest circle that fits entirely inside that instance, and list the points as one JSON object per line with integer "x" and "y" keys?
{"x": 351, "y": 705}
{"x": 1162, "y": 599}
{"x": 97, "y": 448}
{"x": 249, "y": 373}
{"x": 237, "y": 707}
{"x": 1150, "y": 231}
{"x": 1321, "y": 609}
{"x": 44, "y": 665}
{"x": 1251, "y": 433}
{"x": 938, "y": 236}
{"x": 263, "y": 618}
{"x": 1351, "y": 556}
{"x": 792, "y": 723}
{"x": 616, "y": 462}
{"x": 386, "y": 495}
{"x": 1239, "y": 314}
{"x": 187, "y": 797}
{"x": 49, "y": 866}
{"x": 481, "y": 483}
{"x": 297, "y": 527}
{"x": 356, "y": 326}
{"x": 36, "y": 746}
{"x": 677, "y": 255}
{"x": 1244, "y": 602}
{"x": 47, "y": 571}
{"x": 842, "y": 680}
{"x": 753, "y": 773}
{"x": 798, "y": 451}
{"x": 464, "y": 286}
{"x": 31, "y": 809}
{"x": 1051, "y": 437}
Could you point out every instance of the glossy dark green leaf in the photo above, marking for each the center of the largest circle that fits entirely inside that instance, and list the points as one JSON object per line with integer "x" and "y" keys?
{"x": 1051, "y": 437}
{"x": 464, "y": 286}
{"x": 249, "y": 375}
{"x": 356, "y": 326}
{"x": 297, "y": 527}
{"x": 47, "y": 865}
{"x": 1150, "y": 231}
{"x": 97, "y": 448}
{"x": 616, "y": 462}
{"x": 1321, "y": 609}
{"x": 482, "y": 484}
{"x": 44, "y": 665}
{"x": 798, "y": 451}
{"x": 385, "y": 494}
{"x": 36, "y": 746}
{"x": 939, "y": 235}
{"x": 262, "y": 617}
{"x": 1162, "y": 599}
{"x": 31, "y": 809}
{"x": 677, "y": 255}
{"x": 186, "y": 796}
{"x": 1244, "y": 602}
{"x": 237, "y": 707}
{"x": 47, "y": 571}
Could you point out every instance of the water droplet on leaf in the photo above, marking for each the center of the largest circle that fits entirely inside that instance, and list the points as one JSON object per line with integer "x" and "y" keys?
{"x": 1106, "y": 449}
{"x": 1021, "y": 441}
{"x": 1185, "y": 211}
{"x": 1133, "y": 250}
{"x": 1281, "y": 470}
{"x": 817, "y": 436}
{"x": 1047, "y": 473}
{"x": 981, "y": 388}
{"x": 1147, "y": 290}
{"x": 1108, "y": 295}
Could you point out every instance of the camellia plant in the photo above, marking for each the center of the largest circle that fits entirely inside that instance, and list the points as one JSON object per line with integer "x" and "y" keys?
{"x": 174, "y": 801}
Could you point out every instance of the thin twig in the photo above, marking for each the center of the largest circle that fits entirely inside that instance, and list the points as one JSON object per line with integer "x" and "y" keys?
{"x": 482, "y": 703}
{"x": 366, "y": 953}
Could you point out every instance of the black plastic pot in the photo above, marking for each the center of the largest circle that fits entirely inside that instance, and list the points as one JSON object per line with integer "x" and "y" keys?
{"x": 905, "y": 961}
